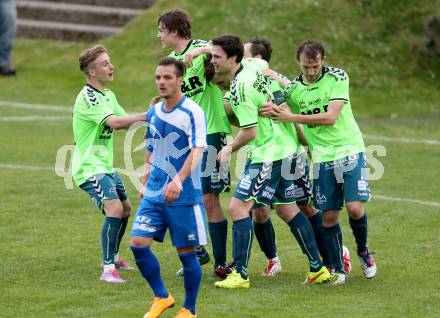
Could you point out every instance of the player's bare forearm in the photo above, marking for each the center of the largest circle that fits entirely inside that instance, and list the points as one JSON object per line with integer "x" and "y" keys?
{"x": 122, "y": 122}
{"x": 191, "y": 163}
{"x": 148, "y": 158}
{"x": 300, "y": 132}
{"x": 243, "y": 137}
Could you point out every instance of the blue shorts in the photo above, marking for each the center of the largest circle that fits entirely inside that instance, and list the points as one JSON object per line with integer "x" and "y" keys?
{"x": 268, "y": 182}
{"x": 214, "y": 178}
{"x": 187, "y": 223}
{"x": 105, "y": 186}
{"x": 341, "y": 180}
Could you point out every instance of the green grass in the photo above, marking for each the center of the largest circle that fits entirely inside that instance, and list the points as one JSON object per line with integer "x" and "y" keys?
{"x": 50, "y": 234}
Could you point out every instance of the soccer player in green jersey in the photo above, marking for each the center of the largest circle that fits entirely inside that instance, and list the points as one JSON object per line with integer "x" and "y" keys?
{"x": 95, "y": 115}
{"x": 319, "y": 99}
{"x": 267, "y": 175}
{"x": 261, "y": 48}
{"x": 174, "y": 31}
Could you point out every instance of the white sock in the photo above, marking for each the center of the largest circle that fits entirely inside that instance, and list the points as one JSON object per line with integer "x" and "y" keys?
{"x": 116, "y": 257}
{"x": 275, "y": 259}
{"x": 109, "y": 268}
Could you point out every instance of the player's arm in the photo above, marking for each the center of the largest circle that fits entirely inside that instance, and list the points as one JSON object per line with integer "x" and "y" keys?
{"x": 122, "y": 122}
{"x": 194, "y": 53}
{"x": 327, "y": 118}
{"x": 284, "y": 81}
{"x": 243, "y": 137}
{"x": 300, "y": 132}
{"x": 173, "y": 189}
{"x": 148, "y": 158}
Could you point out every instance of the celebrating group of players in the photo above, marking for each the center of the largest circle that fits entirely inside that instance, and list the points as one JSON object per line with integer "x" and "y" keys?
{"x": 187, "y": 162}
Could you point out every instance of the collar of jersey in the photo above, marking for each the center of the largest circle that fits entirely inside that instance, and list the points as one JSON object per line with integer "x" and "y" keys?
{"x": 322, "y": 75}
{"x": 186, "y": 49}
{"x": 163, "y": 109}
{"x": 95, "y": 89}
{"x": 239, "y": 70}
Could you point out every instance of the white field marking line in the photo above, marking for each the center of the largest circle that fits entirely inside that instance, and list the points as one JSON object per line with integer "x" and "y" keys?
{"x": 34, "y": 118}
{"x": 404, "y": 139}
{"x": 25, "y": 167}
{"x": 376, "y": 196}
{"x": 41, "y": 107}
{"x": 387, "y": 198}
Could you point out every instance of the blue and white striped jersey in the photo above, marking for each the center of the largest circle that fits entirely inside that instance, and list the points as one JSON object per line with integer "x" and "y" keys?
{"x": 170, "y": 137}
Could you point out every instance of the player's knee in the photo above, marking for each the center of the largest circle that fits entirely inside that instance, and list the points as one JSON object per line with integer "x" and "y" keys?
{"x": 260, "y": 215}
{"x": 138, "y": 241}
{"x": 355, "y": 209}
{"x": 308, "y": 210}
{"x": 113, "y": 208}
{"x": 330, "y": 218}
{"x": 287, "y": 212}
{"x": 211, "y": 201}
{"x": 126, "y": 209}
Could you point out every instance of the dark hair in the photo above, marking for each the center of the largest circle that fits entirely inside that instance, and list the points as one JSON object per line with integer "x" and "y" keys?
{"x": 177, "y": 20}
{"x": 179, "y": 66}
{"x": 231, "y": 44}
{"x": 261, "y": 46}
{"x": 88, "y": 56}
{"x": 311, "y": 49}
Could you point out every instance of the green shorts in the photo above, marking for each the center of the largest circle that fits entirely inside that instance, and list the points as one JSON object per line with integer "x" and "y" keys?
{"x": 105, "y": 186}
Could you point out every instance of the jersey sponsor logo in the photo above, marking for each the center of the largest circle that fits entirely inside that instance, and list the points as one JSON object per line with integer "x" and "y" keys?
{"x": 106, "y": 133}
{"x": 260, "y": 84}
{"x": 362, "y": 185}
{"x": 191, "y": 84}
{"x": 142, "y": 223}
{"x": 245, "y": 183}
{"x": 290, "y": 190}
{"x": 268, "y": 192}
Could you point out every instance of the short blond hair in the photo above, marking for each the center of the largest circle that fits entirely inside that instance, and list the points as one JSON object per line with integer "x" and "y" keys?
{"x": 88, "y": 56}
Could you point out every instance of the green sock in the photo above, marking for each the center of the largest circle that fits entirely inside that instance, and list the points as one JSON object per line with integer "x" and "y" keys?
{"x": 303, "y": 232}
{"x": 333, "y": 244}
{"x": 242, "y": 236}
{"x": 360, "y": 232}
{"x": 265, "y": 234}
{"x": 121, "y": 232}
{"x": 109, "y": 239}
{"x": 218, "y": 232}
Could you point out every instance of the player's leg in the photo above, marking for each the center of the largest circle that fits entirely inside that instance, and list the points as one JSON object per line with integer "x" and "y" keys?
{"x": 126, "y": 210}
{"x": 356, "y": 192}
{"x": 188, "y": 230}
{"x": 102, "y": 190}
{"x": 148, "y": 225}
{"x": 304, "y": 199}
{"x": 328, "y": 197}
{"x": 215, "y": 180}
{"x": 265, "y": 234}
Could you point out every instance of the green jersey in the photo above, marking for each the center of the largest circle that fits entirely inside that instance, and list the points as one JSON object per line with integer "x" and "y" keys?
{"x": 248, "y": 92}
{"x": 93, "y": 139}
{"x": 206, "y": 94}
{"x": 327, "y": 143}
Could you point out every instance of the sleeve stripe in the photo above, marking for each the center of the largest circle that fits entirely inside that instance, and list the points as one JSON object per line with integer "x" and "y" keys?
{"x": 103, "y": 120}
{"x": 339, "y": 98}
{"x": 249, "y": 125}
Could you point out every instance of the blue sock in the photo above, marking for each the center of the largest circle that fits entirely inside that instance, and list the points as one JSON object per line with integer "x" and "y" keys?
{"x": 360, "y": 232}
{"x": 242, "y": 237}
{"x": 192, "y": 276}
{"x": 109, "y": 239}
{"x": 265, "y": 234}
{"x": 149, "y": 267}
{"x": 303, "y": 232}
{"x": 121, "y": 233}
{"x": 218, "y": 232}
{"x": 333, "y": 244}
